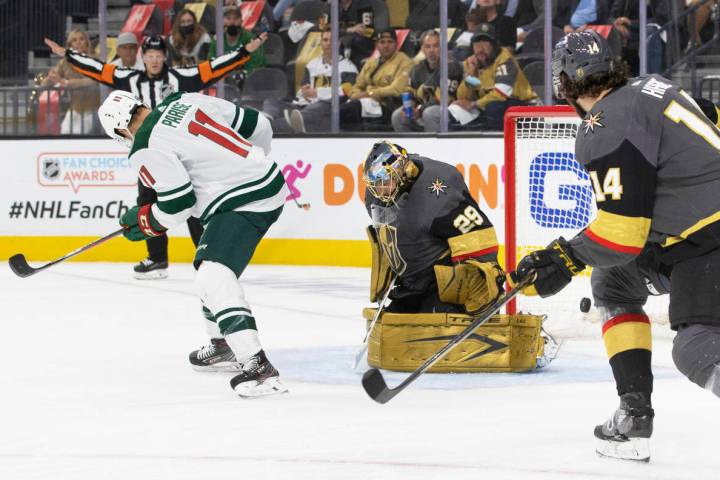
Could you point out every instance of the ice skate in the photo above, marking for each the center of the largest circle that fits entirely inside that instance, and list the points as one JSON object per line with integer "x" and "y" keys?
{"x": 149, "y": 269}
{"x": 626, "y": 434}
{"x": 214, "y": 357}
{"x": 258, "y": 378}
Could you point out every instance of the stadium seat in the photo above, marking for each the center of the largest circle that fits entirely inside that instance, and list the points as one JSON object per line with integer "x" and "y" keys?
{"x": 264, "y": 83}
{"x": 535, "y": 73}
{"x": 274, "y": 51}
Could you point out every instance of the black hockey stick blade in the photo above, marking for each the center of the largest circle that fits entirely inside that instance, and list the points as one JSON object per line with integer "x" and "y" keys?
{"x": 20, "y": 267}
{"x": 375, "y": 386}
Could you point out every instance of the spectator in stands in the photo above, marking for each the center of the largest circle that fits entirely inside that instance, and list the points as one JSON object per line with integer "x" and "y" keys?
{"x": 530, "y": 15}
{"x": 424, "y": 84}
{"x": 576, "y": 15}
{"x": 189, "y": 42}
{"x": 424, "y": 14}
{"x": 127, "y": 52}
{"x": 84, "y": 93}
{"x": 266, "y": 22}
{"x": 236, "y": 36}
{"x": 493, "y": 82}
{"x": 461, "y": 42}
{"x": 505, "y": 27}
{"x": 359, "y": 22}
{"x": 376, "y": 93}
{"x": 311, "y": 109}
{"x": 152, "y": 86}
{"x": 625, "y": 17}
{"x": 696, "y": 23}
{"x": 208, "y": 17}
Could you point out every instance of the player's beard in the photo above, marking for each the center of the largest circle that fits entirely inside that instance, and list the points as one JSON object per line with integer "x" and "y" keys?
{"x": 573, "y": 103}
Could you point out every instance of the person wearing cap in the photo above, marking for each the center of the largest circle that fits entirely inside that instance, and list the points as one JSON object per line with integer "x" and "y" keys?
{"x": 505, "y": 27}
{"x": 424, "y": 85}
{"x": 493, "y": 82}
{"x": 376, "y": 92}
{"x": 235, "y": 36}
{"x": 127, "y": 52}
{"x": 152, "y": 86}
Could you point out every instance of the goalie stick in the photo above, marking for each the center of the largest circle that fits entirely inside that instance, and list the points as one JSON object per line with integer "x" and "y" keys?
{"x": 381, "y": 307}
{"x": 373, "y": 381}
{"x": 20, "y": 267}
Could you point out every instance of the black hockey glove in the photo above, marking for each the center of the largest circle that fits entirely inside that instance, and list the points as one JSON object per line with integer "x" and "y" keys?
{"x": 555, "y": 266}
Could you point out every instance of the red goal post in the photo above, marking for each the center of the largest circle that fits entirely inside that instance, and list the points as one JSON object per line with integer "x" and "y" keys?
{"x": 513, "y": 116}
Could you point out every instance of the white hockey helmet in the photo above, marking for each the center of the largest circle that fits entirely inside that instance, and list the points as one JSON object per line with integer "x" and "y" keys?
{"x": 116, "y": 112}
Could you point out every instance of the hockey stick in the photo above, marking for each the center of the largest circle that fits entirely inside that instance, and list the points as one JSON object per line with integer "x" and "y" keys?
{"x": 373, "y": 381}
{"x": 304, "y": 206}
{"x": 20, "y": 267}
{"x": 381, "y": 306}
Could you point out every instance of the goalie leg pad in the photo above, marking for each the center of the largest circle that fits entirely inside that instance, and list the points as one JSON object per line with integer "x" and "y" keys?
{"x": 403, "y": 342}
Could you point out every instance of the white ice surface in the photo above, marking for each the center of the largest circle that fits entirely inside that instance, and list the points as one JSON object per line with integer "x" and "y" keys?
{"x": 95, "y": 384}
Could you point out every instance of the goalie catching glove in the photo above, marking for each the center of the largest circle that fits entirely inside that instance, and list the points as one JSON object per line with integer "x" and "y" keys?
{"x": 554, "y": 266}
{"x": 140, "y": 224}
{"x": 471, "y": 282}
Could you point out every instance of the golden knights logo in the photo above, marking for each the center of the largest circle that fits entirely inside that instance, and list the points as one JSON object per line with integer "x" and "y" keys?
{"x": 387, "y": 237}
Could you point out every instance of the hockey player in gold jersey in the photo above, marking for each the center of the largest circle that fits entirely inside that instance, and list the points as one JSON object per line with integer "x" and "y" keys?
{"x": 654, "y": 162}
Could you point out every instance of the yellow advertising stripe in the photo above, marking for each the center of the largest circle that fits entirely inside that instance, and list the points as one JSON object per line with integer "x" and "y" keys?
{"x": 621, "y": 230}
{"x": 271, "y": 251}
{"x": 627, "y": 336}
{"x": 280, "y": 251}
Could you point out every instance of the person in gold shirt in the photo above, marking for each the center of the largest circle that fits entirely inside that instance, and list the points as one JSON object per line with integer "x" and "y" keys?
{"x": 493, "y": 82}
{"x": 376, "y": 92}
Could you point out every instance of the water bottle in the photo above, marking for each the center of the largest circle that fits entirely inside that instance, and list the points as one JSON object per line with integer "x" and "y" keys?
{"x": 407, "y": 104}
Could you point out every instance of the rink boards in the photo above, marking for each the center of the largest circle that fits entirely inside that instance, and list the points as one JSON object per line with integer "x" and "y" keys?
{"x": 60, "y": 194}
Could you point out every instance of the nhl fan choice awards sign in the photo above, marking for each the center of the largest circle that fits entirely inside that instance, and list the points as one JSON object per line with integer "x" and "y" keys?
{"x": 63, "y": 191}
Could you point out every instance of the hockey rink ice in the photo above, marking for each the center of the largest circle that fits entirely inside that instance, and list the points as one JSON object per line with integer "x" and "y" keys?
{"x": 95, "y": 384}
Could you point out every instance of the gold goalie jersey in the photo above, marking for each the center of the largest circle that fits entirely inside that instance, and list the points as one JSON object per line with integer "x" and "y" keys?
{"x": 191, "y": 152}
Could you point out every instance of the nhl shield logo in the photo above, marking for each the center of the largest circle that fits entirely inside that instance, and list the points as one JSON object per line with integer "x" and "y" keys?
{"x": 51, "y": 168}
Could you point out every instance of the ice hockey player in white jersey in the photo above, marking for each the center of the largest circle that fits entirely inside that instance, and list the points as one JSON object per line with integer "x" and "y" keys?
{"x": 188, "y": 149}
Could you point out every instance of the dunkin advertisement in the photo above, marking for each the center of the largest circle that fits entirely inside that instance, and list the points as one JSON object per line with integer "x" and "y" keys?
{"x": 81, "y": 187}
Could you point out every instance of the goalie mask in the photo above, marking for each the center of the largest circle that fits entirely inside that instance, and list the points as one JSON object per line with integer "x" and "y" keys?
{"x": 385, "y": 170}
{"x": 116, "y": 113}
{"x": 579, "y": 55}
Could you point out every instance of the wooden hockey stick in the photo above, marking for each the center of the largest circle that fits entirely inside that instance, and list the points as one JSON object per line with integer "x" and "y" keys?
{"x": 373, "y": 381}
{"x": 359, "y": 355}
{"x": 19, "y": 265}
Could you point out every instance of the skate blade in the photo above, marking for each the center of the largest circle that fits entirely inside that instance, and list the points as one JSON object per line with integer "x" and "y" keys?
{"x": 153, "y": 275}
{"x": 253, "y": 389}
{"x": 636, "y": 449}
{"x": 232, "y": 367}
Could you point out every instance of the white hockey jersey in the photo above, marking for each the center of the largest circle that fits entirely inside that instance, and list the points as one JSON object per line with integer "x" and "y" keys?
{"x": 202, "y": 156}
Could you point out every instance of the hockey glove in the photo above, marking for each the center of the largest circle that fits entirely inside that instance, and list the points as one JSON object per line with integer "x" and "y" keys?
{"x": 140, "y": 224}
{"x": 555, "y": 266}
{"x": 471, "y": 283}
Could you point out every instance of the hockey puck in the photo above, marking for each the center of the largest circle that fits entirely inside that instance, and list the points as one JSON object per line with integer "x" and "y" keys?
{"x": 585, "y": 304}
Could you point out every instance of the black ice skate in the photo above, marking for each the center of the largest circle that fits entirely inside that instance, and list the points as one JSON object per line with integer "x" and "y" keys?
{"x": 626, "y": 434}
{"x": 150, "y": 270}
{"x": 215, "y": 357}
{"x": 257, "y": 378}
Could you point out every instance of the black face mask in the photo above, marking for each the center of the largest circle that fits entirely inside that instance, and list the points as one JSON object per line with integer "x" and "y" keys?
{"x": 232, "y": 30}
{"x": 187, "y": 30}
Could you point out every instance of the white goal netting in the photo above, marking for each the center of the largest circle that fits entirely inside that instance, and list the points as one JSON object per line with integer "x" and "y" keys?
{"x": 552, "y": 196}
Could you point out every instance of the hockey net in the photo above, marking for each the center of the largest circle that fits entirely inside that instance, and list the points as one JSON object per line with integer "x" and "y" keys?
{"x": 548, "y": 194}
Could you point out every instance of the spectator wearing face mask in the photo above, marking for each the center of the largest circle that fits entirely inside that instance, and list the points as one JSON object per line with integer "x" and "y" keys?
{"x": 235, "y": 37}
{"x": 189, "y": 42}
